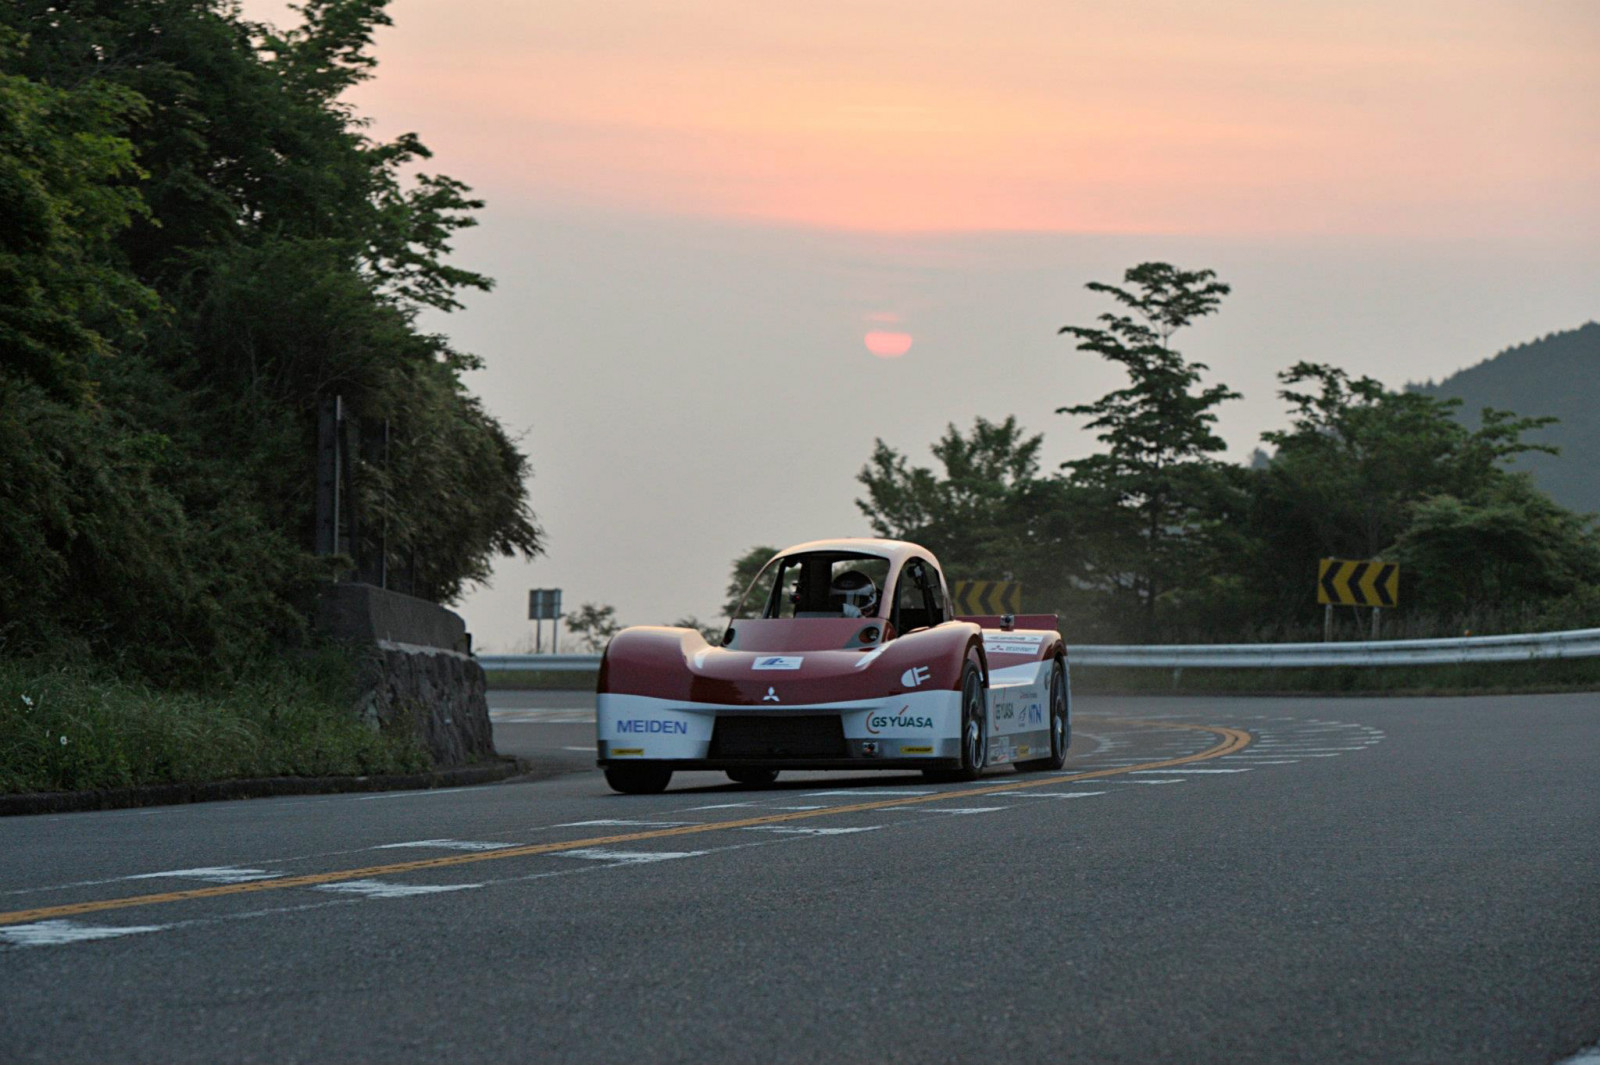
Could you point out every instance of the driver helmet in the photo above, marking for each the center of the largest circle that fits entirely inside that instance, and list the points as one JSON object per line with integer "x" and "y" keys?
{"x": 853, "y": 594}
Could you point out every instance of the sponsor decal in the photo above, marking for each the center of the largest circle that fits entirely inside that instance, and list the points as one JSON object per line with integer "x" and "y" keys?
{"x": 1009, "y": 647}
{"x": 877, "y": 719}
{"x": 916, "y": 750}
{"x": 669, "y": 728}
{"x": 771, "y": 696}
{"x": 914, "y": 677}
{"x": 1034, "y": 638}
{"x": 1034, "y": 714}
{"x": 1005, "y": 711}
{"x": 778, "y": 662}
{"x": 626, "y": 750}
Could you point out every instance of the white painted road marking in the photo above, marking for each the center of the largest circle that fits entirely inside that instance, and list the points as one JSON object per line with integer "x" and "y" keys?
{"x": 212, "y": 874}
{"x": 446, "y": 844}
{"x": 550, "y": 716}
{"x": 600, "y": 854}
{"x": 383, "y": 889}
{"x": 52, "y": 933}
{"x": 635, "y": 824}
{"x": 1057, "y": 794}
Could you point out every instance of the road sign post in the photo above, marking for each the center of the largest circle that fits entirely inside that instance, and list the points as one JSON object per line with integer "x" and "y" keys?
{"x": 544, "y": 604}
{"x": 1345, "y": 582}
{"x": 973, "y": 598}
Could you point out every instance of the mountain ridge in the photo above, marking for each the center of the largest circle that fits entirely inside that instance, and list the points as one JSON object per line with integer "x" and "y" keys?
{"x": 1557, "y": 375}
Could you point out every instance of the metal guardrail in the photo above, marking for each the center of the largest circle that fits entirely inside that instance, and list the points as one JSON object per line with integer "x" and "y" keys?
{"x": 1579, "y": 643}
{"x": 540, "y": 663}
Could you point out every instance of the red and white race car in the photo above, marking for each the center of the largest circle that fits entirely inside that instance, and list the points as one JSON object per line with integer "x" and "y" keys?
{"x": 844, "y": 656}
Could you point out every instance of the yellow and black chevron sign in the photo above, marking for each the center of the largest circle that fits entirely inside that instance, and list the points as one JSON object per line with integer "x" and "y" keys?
{"x": 986, "y": 597}
{"x": 1342, "y": 582}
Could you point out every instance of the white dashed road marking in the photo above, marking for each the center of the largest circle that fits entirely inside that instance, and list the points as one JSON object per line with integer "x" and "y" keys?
{"x": 1057, "y": 794}
{"x": 599, "y": 854}
{"x": 52, "y": 933}
{"x": 382, "y": 889}
{"x": 212, "y": 874}
{"x": 634, "y": 824}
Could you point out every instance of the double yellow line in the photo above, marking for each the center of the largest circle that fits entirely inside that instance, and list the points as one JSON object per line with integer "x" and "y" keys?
{"x": 1231, "y": 740}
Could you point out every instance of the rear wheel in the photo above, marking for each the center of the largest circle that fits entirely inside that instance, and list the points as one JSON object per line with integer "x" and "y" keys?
{"x": 753, "y": 778}
{"x": 1060, "y": 723}
{"x": 974, "y": 730}
{"x": 638, "y": 779}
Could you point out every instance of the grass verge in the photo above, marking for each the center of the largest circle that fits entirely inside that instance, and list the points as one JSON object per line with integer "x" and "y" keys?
{"x": 76, "y": 726}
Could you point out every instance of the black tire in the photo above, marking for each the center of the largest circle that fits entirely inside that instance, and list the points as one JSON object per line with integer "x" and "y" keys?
{"x": 974, "y": 730}
{"x": 638, "y": 779}
{"x": 1060, "y": 723}
{"x": 753, "y": 778}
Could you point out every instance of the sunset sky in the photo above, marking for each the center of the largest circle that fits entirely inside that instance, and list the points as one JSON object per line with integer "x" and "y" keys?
{"x": 699, "y": 210}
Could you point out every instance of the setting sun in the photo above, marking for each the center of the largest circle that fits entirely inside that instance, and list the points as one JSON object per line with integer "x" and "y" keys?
{"x": 888, "y": 345}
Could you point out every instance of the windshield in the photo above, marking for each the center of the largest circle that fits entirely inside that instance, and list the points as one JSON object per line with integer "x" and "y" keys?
{"x": 818, "y": 584}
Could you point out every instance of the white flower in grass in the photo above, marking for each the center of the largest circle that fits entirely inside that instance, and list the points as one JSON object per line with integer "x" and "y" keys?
{"x": 63, "y": 741}
{"x": 26, "y": 701}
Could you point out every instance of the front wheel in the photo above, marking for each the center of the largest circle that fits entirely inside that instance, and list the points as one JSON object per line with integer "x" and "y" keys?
{"x": 974, "y": 730}
{"x": 638, "y": 779}
{"x": 753, "y": 778}
{"x": 1060, "y": 723}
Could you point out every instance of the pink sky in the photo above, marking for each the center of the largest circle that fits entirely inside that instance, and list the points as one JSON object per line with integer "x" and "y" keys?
{"x": 1414, "y": 118}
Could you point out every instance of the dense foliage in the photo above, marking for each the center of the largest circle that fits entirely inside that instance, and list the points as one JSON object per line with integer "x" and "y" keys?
{"x": 1153, "y": 538}
{"x": 198, "y": 245}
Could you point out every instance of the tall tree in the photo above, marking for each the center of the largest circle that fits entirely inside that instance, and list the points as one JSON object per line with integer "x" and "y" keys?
{"x": 1147, "y": 490}
{"x": 217, "y": 218}
{"x": 985, "y": 511}
{"x": 745, "y": 570}
{"x": 1363, "y": 471}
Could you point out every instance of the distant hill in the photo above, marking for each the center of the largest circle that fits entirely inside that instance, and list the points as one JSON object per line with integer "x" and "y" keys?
{"x": 1558, "y": 374}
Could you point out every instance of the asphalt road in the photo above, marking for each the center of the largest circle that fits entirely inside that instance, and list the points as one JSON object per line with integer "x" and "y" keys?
{"x": 1405, "y": 880}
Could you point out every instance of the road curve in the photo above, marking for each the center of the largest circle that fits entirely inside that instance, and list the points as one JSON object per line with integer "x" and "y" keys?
{"x": 1208, "y": 880}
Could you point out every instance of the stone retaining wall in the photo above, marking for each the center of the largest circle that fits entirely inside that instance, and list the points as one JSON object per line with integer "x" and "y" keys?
{"x": 437, "y": 694}
{"x": 416, "y": 674}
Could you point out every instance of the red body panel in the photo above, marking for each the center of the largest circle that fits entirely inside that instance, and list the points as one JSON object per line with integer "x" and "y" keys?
{"x": 1019, "y": 621}
{"x": 679, "y": 664}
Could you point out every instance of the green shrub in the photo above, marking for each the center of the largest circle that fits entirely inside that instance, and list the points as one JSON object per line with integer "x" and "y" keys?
{"x": 69, "y": 726}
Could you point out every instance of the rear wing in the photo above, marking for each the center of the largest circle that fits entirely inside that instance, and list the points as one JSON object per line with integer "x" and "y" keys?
{"x": 1007, "y": 622}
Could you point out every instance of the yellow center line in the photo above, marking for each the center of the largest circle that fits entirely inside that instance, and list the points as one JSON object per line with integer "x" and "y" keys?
{"x": 1232, "y": 740}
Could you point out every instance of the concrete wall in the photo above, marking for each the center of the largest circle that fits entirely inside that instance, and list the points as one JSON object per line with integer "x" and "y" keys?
{"x": 365, "y": 613}
{"x": 415, "y": 671}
